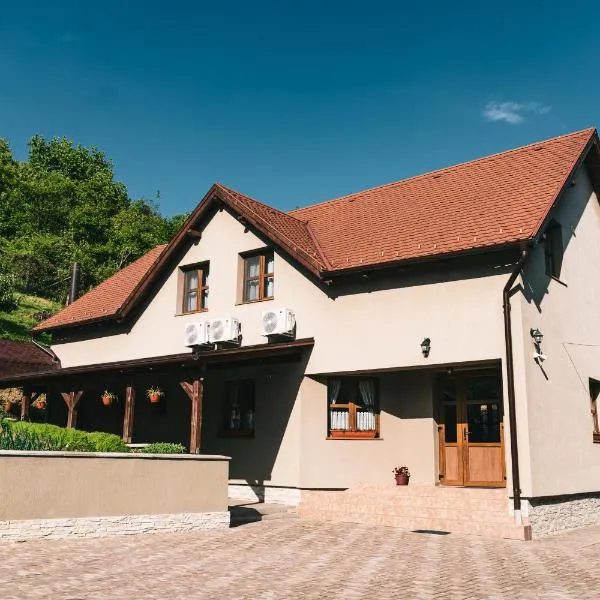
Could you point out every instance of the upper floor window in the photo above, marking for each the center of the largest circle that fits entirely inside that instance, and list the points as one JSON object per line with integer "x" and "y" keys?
{"x": 553, "y": 249}
{"x": 595, "y": 398}
{"x": 195, "y": 288}
{"x": 353, "y": 407}
{"x": 259, "y": 277}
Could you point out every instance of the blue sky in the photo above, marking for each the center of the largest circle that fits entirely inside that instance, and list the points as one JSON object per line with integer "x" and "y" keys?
{"x": 293, "y": 102}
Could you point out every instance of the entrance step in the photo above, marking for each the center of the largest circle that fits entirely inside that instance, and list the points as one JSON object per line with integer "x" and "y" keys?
{"x": 243, "y": 512}
{"x": 416, "y": 508}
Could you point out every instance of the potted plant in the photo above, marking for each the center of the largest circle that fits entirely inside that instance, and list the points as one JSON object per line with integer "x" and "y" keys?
{"x": 40, "y": 402}
{"x": 108, "y": 398}
{"x": 402, "y": 475}
{"x": 154, "y": 394}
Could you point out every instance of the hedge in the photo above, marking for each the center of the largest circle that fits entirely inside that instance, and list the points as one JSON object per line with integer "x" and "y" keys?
{"x": 164, "y": 448}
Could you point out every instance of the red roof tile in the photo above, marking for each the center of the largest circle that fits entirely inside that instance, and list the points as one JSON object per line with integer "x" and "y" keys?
{"x": 489, "y": 202}
{"x": 19, "y": 358}
{"x": 105, "y": 300}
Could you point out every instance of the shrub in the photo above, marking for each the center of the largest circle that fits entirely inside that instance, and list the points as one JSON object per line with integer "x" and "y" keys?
{"x": 107, "y": 442}
{"x": 164, "y": 448}
{"x": 52, "y": 437}
{"x": 7, "y": 291}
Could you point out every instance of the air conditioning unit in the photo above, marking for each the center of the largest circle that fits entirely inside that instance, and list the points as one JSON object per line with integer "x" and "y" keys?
{"x": 196, "y": 334}
{"x": 278, "y": 321}
{"x": 224, "y": 330}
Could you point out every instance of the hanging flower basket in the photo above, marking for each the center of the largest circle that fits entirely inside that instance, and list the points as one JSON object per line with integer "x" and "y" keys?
{"x": 40, "y": 403}
{"x": 154, "y": 394}
{"x": 108, "y": 398}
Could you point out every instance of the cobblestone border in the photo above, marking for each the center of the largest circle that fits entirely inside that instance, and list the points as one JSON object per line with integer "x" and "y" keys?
{"x": 90, "y": 527}
{"x": 560, "y": 513}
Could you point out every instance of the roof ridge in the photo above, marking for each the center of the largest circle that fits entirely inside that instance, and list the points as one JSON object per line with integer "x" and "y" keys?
{"x": 590, "y": 130}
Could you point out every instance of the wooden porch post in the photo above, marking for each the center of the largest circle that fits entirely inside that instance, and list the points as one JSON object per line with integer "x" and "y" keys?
{"x": 128, "y": 416}
{"x": 71, "y": 399}
{"x": 195, "y": 391}
{"x": 25, "y": 402}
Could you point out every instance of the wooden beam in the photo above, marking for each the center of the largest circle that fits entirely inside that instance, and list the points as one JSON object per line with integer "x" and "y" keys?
{"x": 71, "y": 399}
{"x": 128, "y": 416}
{"x": 194, "y": 233}
{"x": 195, "y": 392}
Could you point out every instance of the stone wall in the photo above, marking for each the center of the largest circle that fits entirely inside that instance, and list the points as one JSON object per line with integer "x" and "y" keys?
{"x": 560, "y": 513}
{"x": 19, "y": 531}
{"x": 65, "y": 494}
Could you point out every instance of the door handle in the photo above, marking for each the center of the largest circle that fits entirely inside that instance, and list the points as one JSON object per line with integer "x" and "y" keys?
{"x": 465, "y": 435}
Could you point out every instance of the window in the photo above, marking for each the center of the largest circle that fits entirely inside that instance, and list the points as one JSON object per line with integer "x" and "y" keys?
{"x": 195, "y": 288}
{"x": 553, "y": 248}
{"x": 258, "y": 276}
{"x": 594, "y": 396}
{"x": 238, "y": 408}
{"x": 353, "y": 407}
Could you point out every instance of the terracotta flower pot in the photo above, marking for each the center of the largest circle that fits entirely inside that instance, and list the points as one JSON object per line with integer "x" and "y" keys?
{"x": 7, "y": 407}
{"x": 154, "y": 398}
{"x": 107, "y": 400}
{"x": 41, "y": 405}
{"x": 402, "y": 479}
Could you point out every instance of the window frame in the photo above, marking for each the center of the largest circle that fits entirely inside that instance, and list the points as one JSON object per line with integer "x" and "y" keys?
{"x": 202, "y": 272}
{"x": 353, "y": 433}
{"x": 241, "y": 432}
{"x": 263, "y": 254}
{"x": 594, "y": 396}
{"x": 553, "y": 249}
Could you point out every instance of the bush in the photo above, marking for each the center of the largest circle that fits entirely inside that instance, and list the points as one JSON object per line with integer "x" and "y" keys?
{"x": 107, "y": 442}
{"x": 164, "y": 448}
{"x": 7, "y": 292}
{"x": 52, "y": 437}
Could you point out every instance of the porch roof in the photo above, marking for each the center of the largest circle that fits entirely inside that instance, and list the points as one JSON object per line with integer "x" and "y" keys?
{"x": 185, "y": 360}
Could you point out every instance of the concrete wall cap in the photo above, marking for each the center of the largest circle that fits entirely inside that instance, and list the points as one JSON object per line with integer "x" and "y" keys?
{"x": 113, "y": 455}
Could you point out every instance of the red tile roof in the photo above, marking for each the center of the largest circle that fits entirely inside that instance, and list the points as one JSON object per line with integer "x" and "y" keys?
{"x": 490, "y": 202}
{"x": 105, "y": 300}
{"x": 19, "y": 358}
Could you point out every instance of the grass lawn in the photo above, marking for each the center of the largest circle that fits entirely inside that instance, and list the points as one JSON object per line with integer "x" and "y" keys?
{"x": 16, "y": 324}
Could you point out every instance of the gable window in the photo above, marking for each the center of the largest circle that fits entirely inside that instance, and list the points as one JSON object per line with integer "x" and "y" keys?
{"x": 259, "y": 276}
{"x": 553, "y": 249}
{"x": 238, "y": 408}
{"x": 195, "y": 288}
{"x": 595, "y": 400}
{"x": 353, "y": 404}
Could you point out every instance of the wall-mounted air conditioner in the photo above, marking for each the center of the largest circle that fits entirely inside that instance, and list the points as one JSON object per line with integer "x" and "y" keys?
{"x": 224, "y": 330}
{"x": 278, "y": 321}
{"x": 196, "y": 334}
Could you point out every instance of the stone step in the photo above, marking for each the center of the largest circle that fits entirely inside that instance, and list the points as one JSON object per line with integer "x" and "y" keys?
{"x": 414, "y": 504}
{"x": 242, "y": 512}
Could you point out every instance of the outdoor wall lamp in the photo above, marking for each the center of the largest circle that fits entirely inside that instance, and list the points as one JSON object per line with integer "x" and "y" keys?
{"x": 426, "y": 347}
{"x": 537, "y": 336}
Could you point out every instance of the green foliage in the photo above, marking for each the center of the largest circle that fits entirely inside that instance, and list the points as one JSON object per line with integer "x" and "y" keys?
{"x": 52, "y": 437}
{"x": 164, "y": 448}
{"x": 16, "y": 324}
{"x": 107, "y": 442}
{"x": 63, "y": 205}
{"x": 7, "y": 291}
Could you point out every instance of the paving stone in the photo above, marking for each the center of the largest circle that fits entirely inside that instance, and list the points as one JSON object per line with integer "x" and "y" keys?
{"x": 294, "y": 559}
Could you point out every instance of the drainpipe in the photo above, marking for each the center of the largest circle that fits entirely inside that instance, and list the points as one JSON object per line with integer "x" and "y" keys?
{"x": 510, "y": 376}
{"x": 75, "y": 276}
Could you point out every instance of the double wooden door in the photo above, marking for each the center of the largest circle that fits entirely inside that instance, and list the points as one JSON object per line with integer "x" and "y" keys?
{"x": 471, "y": 431}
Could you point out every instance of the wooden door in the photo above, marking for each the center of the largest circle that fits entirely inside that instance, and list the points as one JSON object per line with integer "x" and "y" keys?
{"x": 471, "y": 430}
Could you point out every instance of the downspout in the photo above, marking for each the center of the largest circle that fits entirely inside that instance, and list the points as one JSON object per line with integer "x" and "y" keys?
{"x": 510, "y": 376}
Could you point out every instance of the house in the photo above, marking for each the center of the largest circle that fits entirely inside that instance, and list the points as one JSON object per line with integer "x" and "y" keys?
{"x": 448, "y": 322}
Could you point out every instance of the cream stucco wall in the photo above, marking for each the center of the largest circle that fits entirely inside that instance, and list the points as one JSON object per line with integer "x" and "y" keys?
{"x": 50, "y": 485}
{"x": 563, "y": 458}
{"x": 373, "y": 326}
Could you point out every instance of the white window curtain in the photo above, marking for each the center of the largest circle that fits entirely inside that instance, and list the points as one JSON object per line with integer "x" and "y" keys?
{"x": 365, "y": 417}
{"x": 338, "y": 418}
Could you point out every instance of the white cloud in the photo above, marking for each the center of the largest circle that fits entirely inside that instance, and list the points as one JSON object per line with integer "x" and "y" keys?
{"x": 513, "y": 112}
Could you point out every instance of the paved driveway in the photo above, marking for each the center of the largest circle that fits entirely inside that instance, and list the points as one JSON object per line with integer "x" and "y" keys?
{"x": 296, "y": 559}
